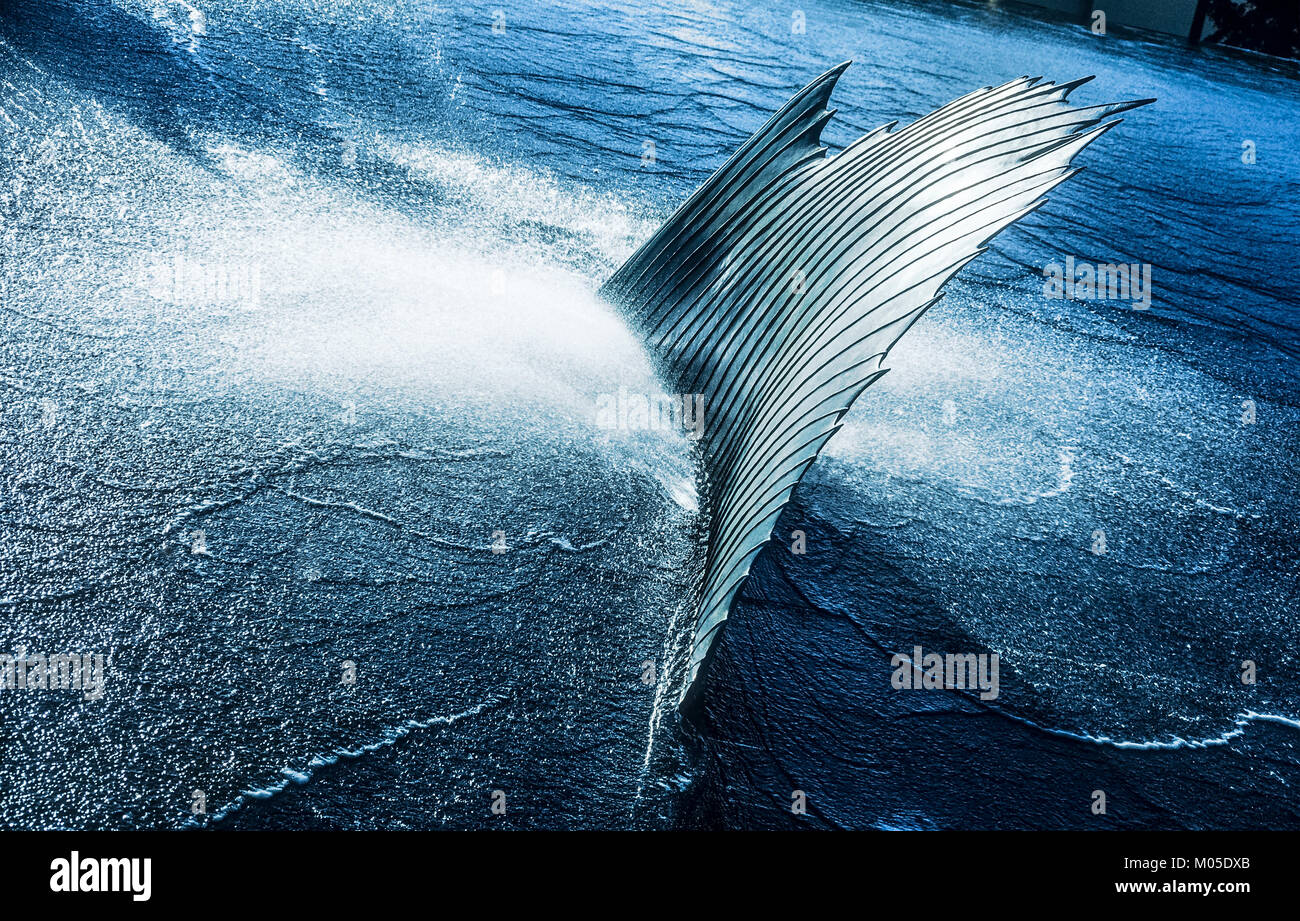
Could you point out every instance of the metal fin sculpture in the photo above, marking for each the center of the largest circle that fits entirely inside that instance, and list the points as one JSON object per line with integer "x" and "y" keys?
{"x": 777, "y": 290}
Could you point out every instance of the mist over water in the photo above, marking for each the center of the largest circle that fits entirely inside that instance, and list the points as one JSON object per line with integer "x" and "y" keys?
{"x": 300, "y": 327}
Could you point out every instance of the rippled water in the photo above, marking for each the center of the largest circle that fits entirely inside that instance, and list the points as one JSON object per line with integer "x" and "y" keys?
{"x": 234, "y": 494}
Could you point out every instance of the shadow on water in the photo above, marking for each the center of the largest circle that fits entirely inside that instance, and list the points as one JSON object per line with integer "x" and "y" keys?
{"x": 799, "y": 700}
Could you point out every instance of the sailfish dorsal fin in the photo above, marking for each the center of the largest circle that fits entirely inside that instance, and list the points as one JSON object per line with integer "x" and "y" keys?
{"x": 775, "y": 292}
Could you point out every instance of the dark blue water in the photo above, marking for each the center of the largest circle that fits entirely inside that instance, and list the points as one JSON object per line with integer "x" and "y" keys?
{"x": 427, "y": 205}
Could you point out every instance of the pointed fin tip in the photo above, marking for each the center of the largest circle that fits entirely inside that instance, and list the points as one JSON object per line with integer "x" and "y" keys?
{"x": 1114, "y": 108}
{"x": 834, "y": 73}
{"x": 823, "y": 85}
{"x": 1071, "y": 85}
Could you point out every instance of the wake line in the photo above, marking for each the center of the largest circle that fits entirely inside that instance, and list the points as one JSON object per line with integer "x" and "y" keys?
{"x": 291, "y": 775}
{"x": 1240, "y": 724}
{"x": 777, "y": 290}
